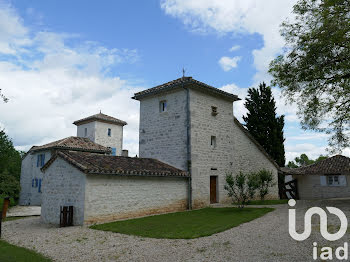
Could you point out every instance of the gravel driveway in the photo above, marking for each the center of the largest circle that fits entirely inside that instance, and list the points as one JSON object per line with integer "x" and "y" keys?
{"x": 264, "y": 239}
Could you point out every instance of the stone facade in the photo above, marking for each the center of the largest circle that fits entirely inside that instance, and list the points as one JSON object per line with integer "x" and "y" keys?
{"x": 233, "y": 150}
{"x": 98, "y": 198}
{"x": 110, "y": 197}
{"x": 163, "y": 134}
{"x": 98, "y": 132}
{"x": 309, "y": 187}
{"x": 64, "y": 185}
{"x": 32, "y": 179}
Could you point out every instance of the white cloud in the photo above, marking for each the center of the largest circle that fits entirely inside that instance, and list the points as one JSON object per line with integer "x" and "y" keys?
{"x": 239, "y": 16}
{"x": 234, "y": 48}
{"x": 312, "y": 151}
{"x": 50, "y": 83}
{"x": 228, "y": 63}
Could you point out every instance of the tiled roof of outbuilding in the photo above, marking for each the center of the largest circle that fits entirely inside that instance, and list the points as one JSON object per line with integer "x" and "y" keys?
{"x": 185, "y": 81}
{"x": 73, "y": 143}
{"x": 90, "y": 163}
{"x": 100, "y": 117}
{"x": 334, "y": 165}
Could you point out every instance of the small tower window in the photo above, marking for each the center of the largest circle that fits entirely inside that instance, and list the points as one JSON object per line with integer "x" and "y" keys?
{"x": 85, "y": 132}
{"x": 213, "y": 141}
{"x": 163, "y": 106}
{"x": 214, "y": 110}
{"x": 109, "y": 132}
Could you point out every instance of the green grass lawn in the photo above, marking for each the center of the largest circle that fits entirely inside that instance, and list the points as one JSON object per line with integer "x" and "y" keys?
{"x": 268, "y": 202}
{"x": 11, "y": 253}
{"x": 186, "y": 225}
{"x": 12, "y": 218}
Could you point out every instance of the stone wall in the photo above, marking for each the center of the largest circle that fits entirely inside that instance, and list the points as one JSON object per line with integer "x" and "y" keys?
{"x": 163, "y": 135}
{"x": 110, "y": 197}
{"x": 30, "y": 190}
{"x": 91, "y": 126}
{"x": 208, "y": 160}
{"x": 116, "y": 138}
{"x": 309, "y": 187}
{"x": 63, "y": 185}
{"x": 98, "y": 133}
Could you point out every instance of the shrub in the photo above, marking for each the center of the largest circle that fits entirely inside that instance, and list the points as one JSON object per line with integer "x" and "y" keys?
{"x": 265, "y": 181}
{"x": 9, "y": 186}
{"x": 237, "y": 188}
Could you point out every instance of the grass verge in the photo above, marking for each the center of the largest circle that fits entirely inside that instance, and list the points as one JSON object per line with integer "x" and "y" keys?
{"x": 268, "y": 202}
{"x": 185, "y": 225}
{"x": 11, "y": 253}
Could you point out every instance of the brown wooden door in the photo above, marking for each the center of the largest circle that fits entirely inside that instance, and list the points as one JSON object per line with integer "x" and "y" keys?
{"x": 213, "y": 189}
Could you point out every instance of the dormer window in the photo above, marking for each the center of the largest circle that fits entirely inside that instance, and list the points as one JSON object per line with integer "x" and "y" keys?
{"x": 214, "y": 110}
{"x": 109, "y": 132}
{"x": 163, "y": 106}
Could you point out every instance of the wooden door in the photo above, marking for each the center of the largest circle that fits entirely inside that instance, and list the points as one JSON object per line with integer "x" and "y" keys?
{"x": 213, "y": 189}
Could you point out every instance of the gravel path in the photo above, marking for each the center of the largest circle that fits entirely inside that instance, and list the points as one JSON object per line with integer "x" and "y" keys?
{"x": 264, "y": 239}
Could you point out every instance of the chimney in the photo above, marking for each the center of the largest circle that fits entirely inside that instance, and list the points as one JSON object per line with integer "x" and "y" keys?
{"x": 125, "y": 152}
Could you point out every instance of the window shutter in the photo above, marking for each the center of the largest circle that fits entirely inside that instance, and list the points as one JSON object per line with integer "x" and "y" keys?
{"x": 43, "y": 160}
{"x": 37, "y": 160}
{"x": 342, "y": 180}
{"x": 114, "y": 151}
{"x": 323, "y": 180}
{"x": 33, "y": 182}
{"x": 39, "y": 189}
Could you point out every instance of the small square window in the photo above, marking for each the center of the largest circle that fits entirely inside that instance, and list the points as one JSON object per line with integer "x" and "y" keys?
{"x": 163, "y": 106}
{"x": 109, "y": 132}
{"x": 214, "y": 110}
{"x": 85, "y": 132}
{"x": 213, "y": 141}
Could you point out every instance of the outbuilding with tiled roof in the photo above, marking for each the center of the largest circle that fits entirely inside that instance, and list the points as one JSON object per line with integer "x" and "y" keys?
{"x": 329, "y": 178}
{"x": 106, "y": 187}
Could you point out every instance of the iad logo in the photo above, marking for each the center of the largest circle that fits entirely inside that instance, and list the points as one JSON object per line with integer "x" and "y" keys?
{"x": 326, "y": 252}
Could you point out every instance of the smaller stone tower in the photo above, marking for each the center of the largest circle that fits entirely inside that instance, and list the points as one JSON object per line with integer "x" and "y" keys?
{"x": 104, "y": 130}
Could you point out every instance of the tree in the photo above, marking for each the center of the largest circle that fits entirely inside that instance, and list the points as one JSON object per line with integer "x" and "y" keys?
{"x": 304, "y": 160}
{"x": 237, "y": 188}
{"x": 10, "y": 167}
{"x": 265, "y": 181}
{"x": 264, "y": 125}
{"x": 314, "y": 70}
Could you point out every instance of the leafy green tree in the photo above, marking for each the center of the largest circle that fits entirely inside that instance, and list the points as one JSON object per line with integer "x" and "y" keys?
{"x": 237, "y": 188}
{"x": 10, "y": 167}
{"x": 265, "y": 182}
{"x": 303, "y": 160}
{"x": 314, "y": 70}
{"x": 265, "y": 126}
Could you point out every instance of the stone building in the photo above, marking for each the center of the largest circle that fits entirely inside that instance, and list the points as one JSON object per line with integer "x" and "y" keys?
{"x": 190, "y": 125}
{"x": 99, "y": 133}
{"x": 328, "y": 178}
{"x": 105, "y": 187}
{"x": 189, "y": 141}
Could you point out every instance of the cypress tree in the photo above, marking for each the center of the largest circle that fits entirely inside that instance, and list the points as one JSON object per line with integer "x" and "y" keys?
{"x": 264, "y": 125}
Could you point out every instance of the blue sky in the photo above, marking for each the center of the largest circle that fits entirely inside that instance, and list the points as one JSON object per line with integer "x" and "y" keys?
{"x": 64, "y": 60}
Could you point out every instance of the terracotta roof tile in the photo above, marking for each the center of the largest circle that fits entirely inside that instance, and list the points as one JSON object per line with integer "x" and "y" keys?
{"x": 184, "y": 81}
{"x": 100, "y": 117}
{"x": 90, "y": 163}
{"x": 334, "y": 165}
{"x": 73, "y": 143}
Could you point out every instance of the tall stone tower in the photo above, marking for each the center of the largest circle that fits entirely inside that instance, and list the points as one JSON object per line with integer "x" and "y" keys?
{"x": 104, "y": 130}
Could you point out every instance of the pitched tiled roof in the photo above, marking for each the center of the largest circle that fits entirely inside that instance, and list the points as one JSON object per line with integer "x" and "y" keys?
{"x": 90, "y": 163}
{"x": 73, "y": 143}
{"x": 334, "y": 165}
{"x": 100, "y": 117}
{"x": 184, "y": 81}
{"x": 262, "y": 150}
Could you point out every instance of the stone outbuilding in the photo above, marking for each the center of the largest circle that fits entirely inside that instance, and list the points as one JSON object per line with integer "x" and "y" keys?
{"x": 329, "y": 178}
{"x": 105, "y": 187}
